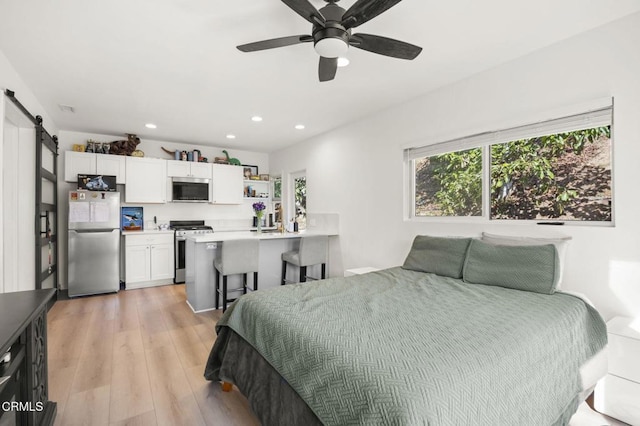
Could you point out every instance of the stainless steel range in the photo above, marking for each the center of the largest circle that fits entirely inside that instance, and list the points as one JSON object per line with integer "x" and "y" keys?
{"x": 182, "y": 229}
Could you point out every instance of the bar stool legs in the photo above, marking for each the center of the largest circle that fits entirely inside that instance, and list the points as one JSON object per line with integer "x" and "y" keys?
{"x": 225, "y": 298}
{"x": 303, "y": 273}
{"x": 217, "y": 288}
{"x": 284, "y": 273}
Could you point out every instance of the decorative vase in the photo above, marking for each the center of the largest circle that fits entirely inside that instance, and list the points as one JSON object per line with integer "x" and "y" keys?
{"x": 259, "y": 224}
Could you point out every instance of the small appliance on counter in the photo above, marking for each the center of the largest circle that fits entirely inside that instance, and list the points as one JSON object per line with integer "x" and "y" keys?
{"x": 94, "y": 242}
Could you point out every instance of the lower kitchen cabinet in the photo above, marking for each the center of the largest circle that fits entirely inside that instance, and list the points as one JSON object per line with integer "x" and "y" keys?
{"x": 148, "y": 260}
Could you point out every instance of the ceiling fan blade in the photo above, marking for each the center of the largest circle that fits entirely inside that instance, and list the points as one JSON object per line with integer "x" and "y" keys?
{"x": 385, "y": 46}
{"x": 306, "y": 10}
{"x": 275, "y": 42}
{"x": 327, "y": 68}
{"x": 364, "y": 10}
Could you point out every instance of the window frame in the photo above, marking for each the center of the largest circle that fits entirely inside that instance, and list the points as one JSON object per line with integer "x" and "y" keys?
{"x": 484, "y": 141}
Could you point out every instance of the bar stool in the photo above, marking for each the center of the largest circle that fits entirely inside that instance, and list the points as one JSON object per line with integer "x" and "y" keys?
{"x": 313, "y": 251}
{"x": 236, "y": 257}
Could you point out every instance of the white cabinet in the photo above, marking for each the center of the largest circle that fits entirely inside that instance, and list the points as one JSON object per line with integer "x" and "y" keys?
{"x": 188, "y": 169}
{"x": 107, "y": 164}
{"x": 618, "y": 394}
{"x": 226, "y": 184}
{"x": 137, "y": 262}
{"x": 76, "y": 163}
{"x": 148, "y": 260}
{"x": 146, "y": 180}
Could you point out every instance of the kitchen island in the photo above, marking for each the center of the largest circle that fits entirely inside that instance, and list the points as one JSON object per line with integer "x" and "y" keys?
{"x": 201, "y": 250}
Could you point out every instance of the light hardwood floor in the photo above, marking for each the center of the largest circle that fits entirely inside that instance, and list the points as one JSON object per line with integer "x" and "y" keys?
{"x": 136, "y": 358}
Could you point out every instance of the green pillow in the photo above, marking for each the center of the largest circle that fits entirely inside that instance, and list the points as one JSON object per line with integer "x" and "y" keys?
{"x": 437, "y": 255}
{"x": 528, "y": 268}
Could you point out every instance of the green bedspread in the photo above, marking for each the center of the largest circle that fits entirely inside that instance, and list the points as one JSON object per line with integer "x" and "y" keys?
{"x": 399, "y": 347}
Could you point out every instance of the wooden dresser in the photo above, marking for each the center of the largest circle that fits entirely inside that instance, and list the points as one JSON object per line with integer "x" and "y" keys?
{"x": 23, "y": 358}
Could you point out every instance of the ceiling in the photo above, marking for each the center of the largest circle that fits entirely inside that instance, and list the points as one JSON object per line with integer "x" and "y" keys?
{"x": 122, "y": 63}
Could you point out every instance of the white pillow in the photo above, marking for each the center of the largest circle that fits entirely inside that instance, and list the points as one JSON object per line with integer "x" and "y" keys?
{"x": 508, "y": 240}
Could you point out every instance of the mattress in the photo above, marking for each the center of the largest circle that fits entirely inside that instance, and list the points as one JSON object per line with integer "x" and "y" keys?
{"x": 594, "y": 368}
{"x": 405, "y": 347}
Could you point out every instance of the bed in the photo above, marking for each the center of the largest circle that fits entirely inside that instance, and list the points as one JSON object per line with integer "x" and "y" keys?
{"x": 425, "y": 343}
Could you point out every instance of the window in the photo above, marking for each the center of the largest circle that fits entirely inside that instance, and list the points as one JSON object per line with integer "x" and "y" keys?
{"x": 277, "y": 187}
{"x": 300, "y": 184}
{"x": 299, "y": 198}
{"x": 559, "y": 170}
{"x": 449, "y": 184}
{"x": 276, "y": 182}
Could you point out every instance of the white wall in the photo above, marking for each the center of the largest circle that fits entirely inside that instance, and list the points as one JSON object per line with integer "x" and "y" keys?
{"x": 219, "y": 216}
{"x": 17, "y": 182}
{"x": 357, "y": 170}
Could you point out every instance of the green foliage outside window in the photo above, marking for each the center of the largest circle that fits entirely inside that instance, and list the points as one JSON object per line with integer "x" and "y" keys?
{"x": 277, "y": 188}
{"x": 561, "y": 176}
{"x": 450, "y": 184}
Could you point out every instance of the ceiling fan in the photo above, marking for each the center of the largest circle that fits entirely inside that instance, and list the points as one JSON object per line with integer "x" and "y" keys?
{"x": 331, "y": 33}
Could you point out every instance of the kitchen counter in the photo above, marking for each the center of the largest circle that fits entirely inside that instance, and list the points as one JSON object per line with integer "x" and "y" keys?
{"x": 147, "y": 232}
{"x": 245, "y": 235}
{"x": 202, "y": 250}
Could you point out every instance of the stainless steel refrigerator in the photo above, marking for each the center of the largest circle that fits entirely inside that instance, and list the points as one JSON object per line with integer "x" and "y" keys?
{"x": 94, "y": 242}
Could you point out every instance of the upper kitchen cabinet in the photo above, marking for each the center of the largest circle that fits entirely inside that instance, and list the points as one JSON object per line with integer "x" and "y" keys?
{"x": 93, "y": 164}
{"x": 226, "y": 184}
{"x": 146, "y": 180}
{"x": 188, "y": 169}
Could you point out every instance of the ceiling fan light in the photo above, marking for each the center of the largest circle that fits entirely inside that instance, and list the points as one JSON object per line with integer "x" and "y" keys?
{"x": 331, "y": 47}
{"x": 343, "y": 62}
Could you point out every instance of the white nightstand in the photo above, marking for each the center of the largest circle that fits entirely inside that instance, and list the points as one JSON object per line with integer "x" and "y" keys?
{"x": 359, "y": 271}
{"x": 618, "y": 394}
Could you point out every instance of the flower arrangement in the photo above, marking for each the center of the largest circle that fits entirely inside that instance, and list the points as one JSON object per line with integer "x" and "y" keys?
{"x": 258, "y": 209}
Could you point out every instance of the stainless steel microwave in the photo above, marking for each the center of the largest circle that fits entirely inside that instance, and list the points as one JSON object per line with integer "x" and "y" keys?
{"x": 190, "y": 190}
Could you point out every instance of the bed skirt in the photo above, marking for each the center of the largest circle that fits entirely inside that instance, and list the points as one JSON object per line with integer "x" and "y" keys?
{"x": 271, "y": 398}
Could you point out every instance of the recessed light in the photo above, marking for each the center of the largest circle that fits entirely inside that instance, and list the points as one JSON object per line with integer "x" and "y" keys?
{"x": 230, "y": 136}
{"x": 343, "y": 62}
{"x": 150, "y": 126}
{"x": 299, "y": 126}
{"x": 256, "y": 118}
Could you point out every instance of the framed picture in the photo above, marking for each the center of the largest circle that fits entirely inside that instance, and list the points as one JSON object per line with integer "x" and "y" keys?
{"x": 250, "y": 171}
{"x": 97, "y": 182}
{"x": 132, "y": 219}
